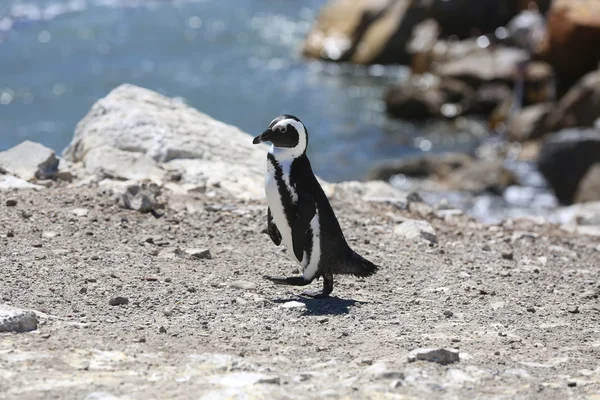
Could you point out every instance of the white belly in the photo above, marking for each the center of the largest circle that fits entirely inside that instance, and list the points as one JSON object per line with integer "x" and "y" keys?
{"x": 278, "y": 213}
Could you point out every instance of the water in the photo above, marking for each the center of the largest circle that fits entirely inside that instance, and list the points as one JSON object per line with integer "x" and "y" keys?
{"x": 237, "y": 61}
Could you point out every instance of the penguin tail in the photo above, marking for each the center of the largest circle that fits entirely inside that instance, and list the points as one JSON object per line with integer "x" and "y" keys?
{"x": 357, "y": 265}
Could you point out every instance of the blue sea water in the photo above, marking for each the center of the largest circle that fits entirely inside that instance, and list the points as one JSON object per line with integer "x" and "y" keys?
{"x": 238, "y": 61}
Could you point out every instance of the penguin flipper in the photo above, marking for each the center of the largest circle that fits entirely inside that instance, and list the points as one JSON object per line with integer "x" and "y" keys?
{"x": 306, "y": 212}
{"x": 272, "y": 229}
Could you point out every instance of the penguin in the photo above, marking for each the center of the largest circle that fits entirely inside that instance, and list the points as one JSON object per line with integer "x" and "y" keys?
{"x": 299, "y": 214}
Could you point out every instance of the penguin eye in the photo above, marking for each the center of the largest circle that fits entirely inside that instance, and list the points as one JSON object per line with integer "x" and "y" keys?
{"x": 283, "y": 129}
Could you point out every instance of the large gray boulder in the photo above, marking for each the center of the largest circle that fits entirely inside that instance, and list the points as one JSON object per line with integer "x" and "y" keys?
{"x": 29, "y": 161}
{"x": 136, "y": 134}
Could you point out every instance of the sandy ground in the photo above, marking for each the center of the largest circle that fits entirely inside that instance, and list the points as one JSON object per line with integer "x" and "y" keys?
{"x": 519, "y": 302}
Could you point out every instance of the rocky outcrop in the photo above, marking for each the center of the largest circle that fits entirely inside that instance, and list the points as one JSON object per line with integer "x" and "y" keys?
{"x": 421, "y": 166}
{"x": 589, "y": 187}
{"x": 136, "y": 134}
{"x": 566, "y": 157}
{"x": 363, "y": 32}
{"x": 573, "y": 37}
{"x": 580, "y": 107}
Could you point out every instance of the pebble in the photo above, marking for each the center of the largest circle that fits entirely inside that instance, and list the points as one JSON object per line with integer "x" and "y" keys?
{"x": 162, "y": 329}
{"x": 437, "y": 355}
{"x": 293, "y": 304}
{"x": 37, "y": 245}
{"x": 80, "y": 212}
{"x": 571, "y": 384}
{"x": 508, "y": 255}
{"x": 11, "y": 203}
{"x": 448, "y": 313}
{"x": 416, "y": 229}
{"x": 573, "y": 310}
{"x": 119, "y": 300}
{"x": 50, "y": 234}
{"x": 10, "y": 234}
{"x": 322, "y": 320}
{"x": 17, "y": 320}
{"x": 151, "y": 278}
{"x": 201, "y": 254}
{"x": 244, "y": 285}
{"x": 531, "y": 309}
{"x": 167, "y": 312}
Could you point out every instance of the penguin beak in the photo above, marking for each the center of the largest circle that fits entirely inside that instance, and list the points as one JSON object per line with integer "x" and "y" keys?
{"x": 263, "y": 137}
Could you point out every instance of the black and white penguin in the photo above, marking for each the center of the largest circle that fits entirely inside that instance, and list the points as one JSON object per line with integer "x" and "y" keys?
{"x": 299, "y": 213}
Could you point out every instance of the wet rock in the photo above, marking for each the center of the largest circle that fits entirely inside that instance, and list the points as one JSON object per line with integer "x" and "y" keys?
{"x": 484, "y": 66}
{"x": 201, "y": 254}
{"x": 9, "y": 182}
{"x": 421, "y": 166}
{"x": 437, "y": 355}
{"x": 416, "y": 230}
{"x": 16, "y": 320}
{"x": 11, "y": 203}
{"x": 528, "y": 123}
{"x": 481, "y": 176}
{"x": 588, "y": 189}
{"x": 118, "y": 301}
{"x": 175, "y": 136}
{"x": 426, "y": 97}
{"x": 573, "y": 28}
{"x": 579, "y": 107}
{"x": 114, "y": 163}
{"x": 566, "y": 157}
{"x": 29, "y": 161}
{"x": 363, "y": 31}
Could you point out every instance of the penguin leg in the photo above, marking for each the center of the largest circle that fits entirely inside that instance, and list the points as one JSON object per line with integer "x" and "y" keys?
{"x": 292, "y": 280}
{"x": 327, "y": 288}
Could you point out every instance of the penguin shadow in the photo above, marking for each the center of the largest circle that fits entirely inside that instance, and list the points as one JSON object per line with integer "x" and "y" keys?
{"x": 330, "y": 306}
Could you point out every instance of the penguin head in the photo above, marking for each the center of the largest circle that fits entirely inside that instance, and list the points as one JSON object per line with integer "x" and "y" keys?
{"x": 287, "y": 134}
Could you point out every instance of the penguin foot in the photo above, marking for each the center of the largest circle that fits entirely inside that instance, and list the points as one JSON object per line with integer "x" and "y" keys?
{"x": 291, "y": 280}
{"x": 327, "y": 289}
{"x": 316, "y": 294}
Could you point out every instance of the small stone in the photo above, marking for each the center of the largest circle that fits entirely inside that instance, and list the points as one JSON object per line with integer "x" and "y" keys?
{"x": 571, "y": 384}
{"x": 162, "y": 329}
{"x": 416, "y": 229}
{"x": 45, "y": 336}
{"x": 11, "y": 203}
{"x": 140, "y": 340}
{"x": 293, "y": 304}
{"x": 380, "y": 371}
{"x": 192, "y": 289}
{"x": 17, "y": 320}
{"x": 167, "y": 312}
{"x": 37, "y": 245}
{"x": 448, "y": 313}
{"x": 244, "y": 285}
{"x": 50, "y": 234}
{"x": 322, "y": 320}
{"x": 83, "y": 290}
{"x": 395, "y": 384}
{"x": 496, "y": 353}
{"x": 486, "y": 247}
{"x": 151, "y": 278}
{"x": 531, "y": 309}
{"x": 364, "y": 361}
{"x": 117, "y": 301}
{"x": 80, "y": 212}
{"x": 437, "y": 355}
{"x": 10, "y": 234}
{"x": 573, "y": 310}
{"x": 509, "y": 255}
{"x": 201, "y": 254}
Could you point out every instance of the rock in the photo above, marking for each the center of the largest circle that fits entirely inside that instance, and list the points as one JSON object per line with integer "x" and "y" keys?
{"x": 244, "y": 285}
{"x": 11, "y": 203}
{"x": 363, "y": 31}
{"x": 421, "y": 166}
{"x": 589, "y": 188}
{"x": 476, "y": 68}
{"x": 437, "y": 355}
{"x": 50, "y": 234}
{"x": 9, "y": 182}
{"x": 573, "y": 310}
{"x": 176, "y": 137}
{"x": 573, "y": 28}
{"x": 293, "y": 304}
{"x": 579, "y": 107}
{"x": 528, "y": 123}
{"x": 80, "y": 212}
{"x": 118, "y": 301}
{"x": 566, "y": 157}
{"x": 416, "y": 230}
{"x": 481, "y": 176}
{"x": 527, "y": 29}
{"x": 29, "y": 161}
{"x": 138, "y": 197}
{"x": 201, "y": 254}
{"x": 425, "y": 96}
{"x": 381, "y": 371}
{"x": 508, "y": 255}
{"x": 492, "y": 98}
{"x": 113, "y": 163}
{"x": 16, "y": 320}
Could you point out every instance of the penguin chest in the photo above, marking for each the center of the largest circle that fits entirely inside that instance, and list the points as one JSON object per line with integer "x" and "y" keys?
{"x": 283, "y": 199}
